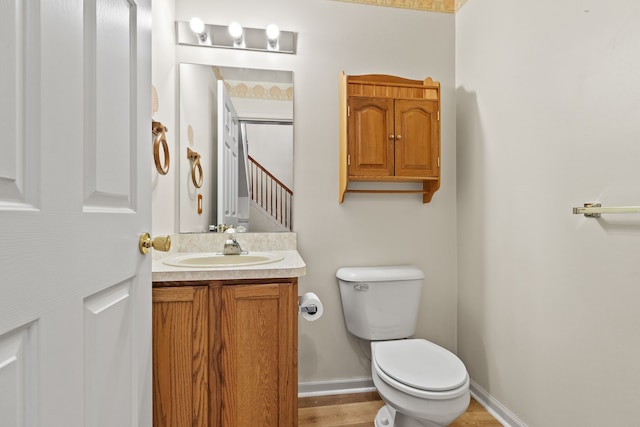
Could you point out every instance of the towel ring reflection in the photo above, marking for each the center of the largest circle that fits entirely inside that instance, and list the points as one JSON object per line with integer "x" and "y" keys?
{"x": 195, "y": 165}
{"x": 158, "y": 129}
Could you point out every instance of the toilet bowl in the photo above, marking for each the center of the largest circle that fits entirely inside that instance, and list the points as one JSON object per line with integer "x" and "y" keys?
{"x": 422, "y": 384}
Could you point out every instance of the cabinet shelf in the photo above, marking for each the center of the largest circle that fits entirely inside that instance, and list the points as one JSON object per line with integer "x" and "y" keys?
{"x": 389, "y": 132}
{"x": 392, "y": 178}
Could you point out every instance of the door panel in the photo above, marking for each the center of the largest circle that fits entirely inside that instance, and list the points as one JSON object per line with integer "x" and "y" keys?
{"x": 18, "y": 358}
{"x": 181, "y": 356}
{"x": 108, "y": 368}
{"x": 109, "y": 130}
{"x": 19, "y": 89}
{"x": 259, "y": 355}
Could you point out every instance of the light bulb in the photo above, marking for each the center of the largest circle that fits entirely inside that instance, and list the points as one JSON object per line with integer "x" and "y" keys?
{"x": 273, "y": 32}
{"x": 235, "y": 30}
{"x": 196, "y": 25}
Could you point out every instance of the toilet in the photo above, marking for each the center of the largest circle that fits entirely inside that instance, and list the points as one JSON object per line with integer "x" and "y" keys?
{"x": 422, "y": 384}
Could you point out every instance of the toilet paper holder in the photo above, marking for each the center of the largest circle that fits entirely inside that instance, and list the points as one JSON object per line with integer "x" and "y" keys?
{"x": 311, "y": 309}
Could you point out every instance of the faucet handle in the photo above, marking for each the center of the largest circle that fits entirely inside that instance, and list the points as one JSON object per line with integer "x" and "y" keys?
{"x": 232, "y": 229}
{"x": 231, "y": 232}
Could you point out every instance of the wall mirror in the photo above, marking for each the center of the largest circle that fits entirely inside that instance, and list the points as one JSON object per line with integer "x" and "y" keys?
{"x": 236, "y": 148}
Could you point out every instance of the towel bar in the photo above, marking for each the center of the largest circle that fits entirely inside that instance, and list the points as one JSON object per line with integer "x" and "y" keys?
{"x": 593, "y": 210}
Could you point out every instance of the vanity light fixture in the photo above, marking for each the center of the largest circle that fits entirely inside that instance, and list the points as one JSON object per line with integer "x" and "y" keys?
{"x": 234, "y": 36}
{"x": 197, "y": 26}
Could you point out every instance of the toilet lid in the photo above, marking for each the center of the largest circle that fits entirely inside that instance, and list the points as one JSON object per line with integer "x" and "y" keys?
{"x": 420, "y": 364}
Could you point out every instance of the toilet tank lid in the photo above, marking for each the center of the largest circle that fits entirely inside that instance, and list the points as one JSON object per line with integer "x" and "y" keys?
{"x": 380, "y": 274}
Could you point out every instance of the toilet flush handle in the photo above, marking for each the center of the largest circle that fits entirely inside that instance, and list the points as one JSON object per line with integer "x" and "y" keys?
{"x": 361, "y": 287}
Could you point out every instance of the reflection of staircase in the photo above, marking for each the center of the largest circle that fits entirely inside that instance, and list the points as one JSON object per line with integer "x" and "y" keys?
{"x": 271, "y": 195}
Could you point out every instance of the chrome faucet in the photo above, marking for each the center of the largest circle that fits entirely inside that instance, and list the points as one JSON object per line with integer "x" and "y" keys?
{"x": 231, "y": 246}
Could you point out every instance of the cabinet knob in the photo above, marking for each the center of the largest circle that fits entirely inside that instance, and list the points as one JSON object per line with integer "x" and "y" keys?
{"x": 398, "y": 137}
{"x": 391, "y": 137}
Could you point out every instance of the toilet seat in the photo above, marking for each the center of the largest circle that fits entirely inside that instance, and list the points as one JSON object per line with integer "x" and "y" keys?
{"x": 419, "y": 365}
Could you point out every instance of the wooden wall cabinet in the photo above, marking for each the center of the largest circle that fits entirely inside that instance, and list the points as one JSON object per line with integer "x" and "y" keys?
{"x": 225, "y": 353}
{"x": 389, "y": 132}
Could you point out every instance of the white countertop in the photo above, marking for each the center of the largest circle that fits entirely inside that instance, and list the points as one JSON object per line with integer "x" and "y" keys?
{"x": 291, "y": 265}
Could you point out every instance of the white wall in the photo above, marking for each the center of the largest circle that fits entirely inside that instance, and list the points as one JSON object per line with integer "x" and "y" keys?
{"x": 548, "y": 98}
{"x": 365, "y": 229}
{"x": 271, "y": 145}
{"x": 198, "y": 118}
{"x": 164, "y": 197}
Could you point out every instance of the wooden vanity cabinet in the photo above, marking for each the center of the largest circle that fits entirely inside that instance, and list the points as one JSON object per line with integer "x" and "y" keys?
{"x": 245, "y": 334}
{"x": 180, "y": 356}
{"x": 390, "y": 132}
{"x": 259, "y": 355}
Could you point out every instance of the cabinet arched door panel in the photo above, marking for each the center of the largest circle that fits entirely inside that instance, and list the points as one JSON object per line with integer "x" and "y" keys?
{"x": 371, "y": 137}
{"x": 416, "y": 153}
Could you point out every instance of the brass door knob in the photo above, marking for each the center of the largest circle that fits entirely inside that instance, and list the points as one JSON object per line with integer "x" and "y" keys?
{"x": 160, "y": 243}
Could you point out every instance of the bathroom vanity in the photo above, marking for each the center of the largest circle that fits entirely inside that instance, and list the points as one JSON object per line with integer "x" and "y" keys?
{"x": 225, "y": 344}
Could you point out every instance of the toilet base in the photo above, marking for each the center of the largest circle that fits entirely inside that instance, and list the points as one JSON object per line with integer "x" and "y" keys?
{"x": 388, "y": 417}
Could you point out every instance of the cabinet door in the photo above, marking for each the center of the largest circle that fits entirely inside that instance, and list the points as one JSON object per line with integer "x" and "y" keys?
{"x": 370, "y": 136}
{"x": 259, "y": 355}
{"x": 180, "y": 356}
{"x": 417, "y": 134}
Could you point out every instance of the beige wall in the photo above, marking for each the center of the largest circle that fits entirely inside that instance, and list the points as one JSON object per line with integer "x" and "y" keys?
{"x": 365, "y": 229}
{"x": 548, "y": 118}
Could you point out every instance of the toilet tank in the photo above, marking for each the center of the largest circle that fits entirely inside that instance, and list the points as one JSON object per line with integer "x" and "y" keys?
{"x": 380, "y": 303}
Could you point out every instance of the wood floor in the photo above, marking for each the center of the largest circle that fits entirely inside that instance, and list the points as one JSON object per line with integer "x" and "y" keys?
{"x": 359, "y": 410}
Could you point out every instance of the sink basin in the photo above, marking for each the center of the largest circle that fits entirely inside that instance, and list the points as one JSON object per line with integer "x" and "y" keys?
{"x": 217, "y": 260}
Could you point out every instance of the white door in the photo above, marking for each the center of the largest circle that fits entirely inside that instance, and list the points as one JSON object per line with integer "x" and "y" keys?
{"x": 227, "y": 159}
{"x": 75, "y": 293}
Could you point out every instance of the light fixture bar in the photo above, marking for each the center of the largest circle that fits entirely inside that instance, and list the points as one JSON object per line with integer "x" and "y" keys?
{"x": 254, "y": 38}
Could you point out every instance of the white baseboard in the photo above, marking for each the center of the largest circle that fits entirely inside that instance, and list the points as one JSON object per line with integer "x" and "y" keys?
{"x": 327, "y": 388}
{"x": 495, "y": 408}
